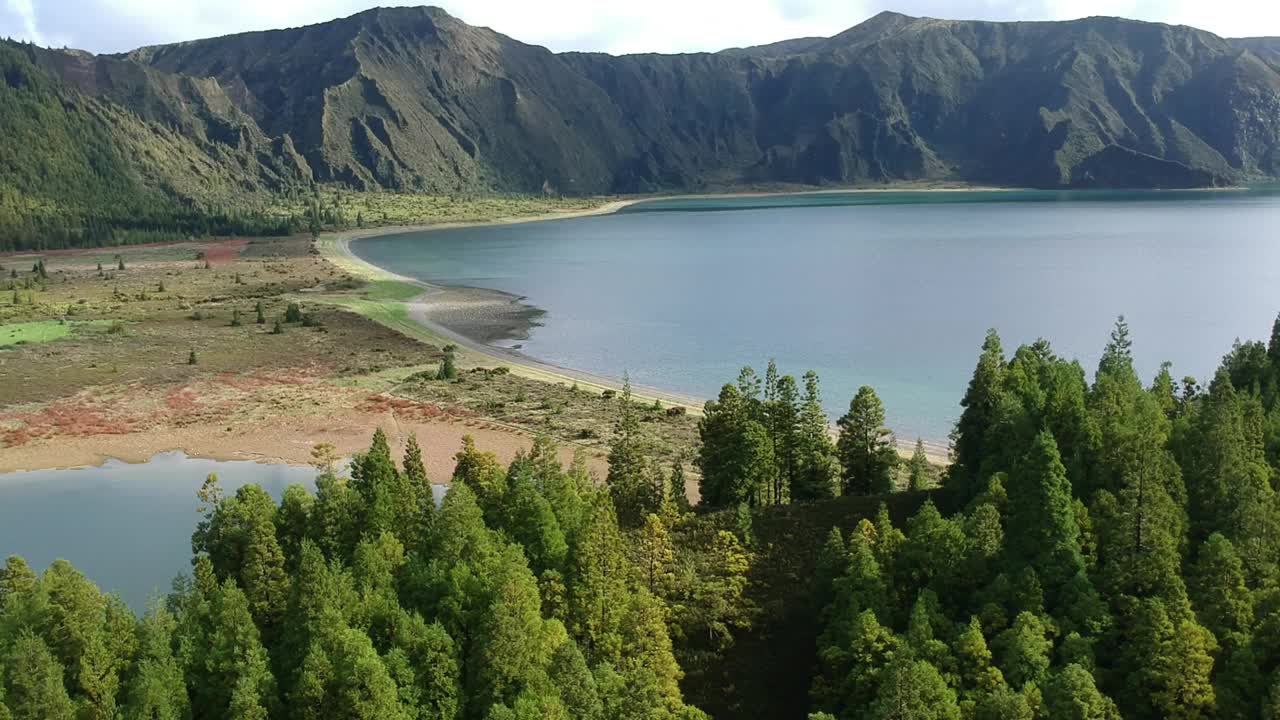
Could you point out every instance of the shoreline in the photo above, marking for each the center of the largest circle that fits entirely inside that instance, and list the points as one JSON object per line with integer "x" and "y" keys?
{"x": 336, "y": 247}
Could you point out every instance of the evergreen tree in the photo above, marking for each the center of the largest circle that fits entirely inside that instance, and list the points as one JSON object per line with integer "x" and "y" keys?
{"x": 1071, "y": 694}
{"x": 530, "y": 521}
{"x": 599, "y": 581}
{"x": 655, "y": 556}
{"x": 631, "y": 480}
{"x": 735, "y": 455}
{"x": 1023, "y": 650}
{"x": 919, "y": 471}
{"x": 1222, "y": 600}
{"x": 33, "y": 685}
{"x": 481, "y": 472}
{"x": 865, "y": 447}
{"x": 157, "y": 690}
{"x": 980, "y": 402}
{"x": 416, "y": 481}
{"x": 913, "y": 690}
{"x": 816, "y": 465}
{"x": 782, "y": 421}
{"x": 232, "y": 662}
{"x": 1042, "y": 533}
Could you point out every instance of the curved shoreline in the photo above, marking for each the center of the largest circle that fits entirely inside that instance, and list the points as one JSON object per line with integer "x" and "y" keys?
{"x": 336, "y": 247}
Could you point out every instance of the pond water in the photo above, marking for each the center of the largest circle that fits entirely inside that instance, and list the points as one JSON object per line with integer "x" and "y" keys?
{"x": 126, "y": 526}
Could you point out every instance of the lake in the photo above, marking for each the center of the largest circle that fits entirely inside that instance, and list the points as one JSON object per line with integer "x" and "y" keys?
{"x": 125, "y": 526}
{"x": 894, "y": 290}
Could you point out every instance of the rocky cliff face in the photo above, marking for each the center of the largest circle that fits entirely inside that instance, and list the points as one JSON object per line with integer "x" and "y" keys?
{"x": 416, "y": 99}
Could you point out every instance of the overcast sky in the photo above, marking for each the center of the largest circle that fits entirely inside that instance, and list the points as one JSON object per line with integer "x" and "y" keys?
{"x": 605, "y": 25}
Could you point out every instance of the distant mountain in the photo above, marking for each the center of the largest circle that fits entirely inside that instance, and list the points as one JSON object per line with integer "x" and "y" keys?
{"x": 412, "y": 98}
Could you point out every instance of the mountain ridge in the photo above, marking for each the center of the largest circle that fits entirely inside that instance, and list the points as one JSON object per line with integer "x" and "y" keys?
{"x": 414, "y": 99}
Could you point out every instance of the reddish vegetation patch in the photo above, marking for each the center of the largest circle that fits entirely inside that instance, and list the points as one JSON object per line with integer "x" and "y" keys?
{"x": 242, "y": 382}
{"x": 181, "y": 399}
{"x": 68, "y": 418}
{"x": 408, "y": 409}
{"x": 223, "y": 253}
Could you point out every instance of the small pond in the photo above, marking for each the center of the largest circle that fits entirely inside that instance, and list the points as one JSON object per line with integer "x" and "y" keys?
{"x": 126, "y": 526}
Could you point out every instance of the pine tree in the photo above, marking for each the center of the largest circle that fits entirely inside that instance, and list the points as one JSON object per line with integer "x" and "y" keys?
{"x": 530, "y": 521}
{"x": 293, "y": 521}
{"x": 816, "y": 456}
{"x": 262, "y": 316}
{"x": 599, "y": 581}
{"x": 569, "y": 672}
{"x": 415, "y": 476}
{"x": 1273, "y": 347}
{"x": 1042, "y": 531}
{"x": 481, "y": 472}
{"x": 630, "y": 478}
{"x": 782, "y": 409}
{"x": 512, "y": 647}
{"x": 655, "y": 556}
{"x": 980, "y": 402}
{"x": 735, "y": 458}
{"x": 158, "y": 690}
{"x": 390, "y": 499}
{"x": 920, "y": 472}
{"x": 865, "y": 447}
{"x": 1222, "y": 600}
{"x": 1023, "y": 650}
{"x": 913, "y": 689}
{"x": 34, "y": 688}
{"x": 1071, "y": 694}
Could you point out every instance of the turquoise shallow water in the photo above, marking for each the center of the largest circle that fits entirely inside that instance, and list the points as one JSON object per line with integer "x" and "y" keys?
{"x": 893, "y": 290}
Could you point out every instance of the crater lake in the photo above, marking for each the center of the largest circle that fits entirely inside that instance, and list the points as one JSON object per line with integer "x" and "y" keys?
{"x": 895, "y": 290}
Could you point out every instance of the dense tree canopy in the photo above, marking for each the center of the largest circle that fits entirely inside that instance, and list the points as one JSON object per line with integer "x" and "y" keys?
{"x": 1115, "y": 554}
{"x": 519, "y": 597}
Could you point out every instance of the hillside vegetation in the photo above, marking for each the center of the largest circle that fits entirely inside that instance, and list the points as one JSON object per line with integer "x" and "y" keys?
{"x": 191, "y": 138}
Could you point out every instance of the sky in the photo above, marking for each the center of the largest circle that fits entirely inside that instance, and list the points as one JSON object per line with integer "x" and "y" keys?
{"x": 614, "y": 26}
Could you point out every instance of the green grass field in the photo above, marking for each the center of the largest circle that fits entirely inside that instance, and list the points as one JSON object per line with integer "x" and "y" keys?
{"x": 39, "y": 332}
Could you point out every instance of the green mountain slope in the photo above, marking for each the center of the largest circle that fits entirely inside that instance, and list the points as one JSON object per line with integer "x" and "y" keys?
{"x": 414, "y": 99}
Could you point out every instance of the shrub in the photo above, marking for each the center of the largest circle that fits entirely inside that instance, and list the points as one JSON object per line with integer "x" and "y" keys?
{"x": 191, "y": 359}
{"x": 277, "y": 329}
{"x": 448, "y": 370}
{"x": 676, "y": 411}
{"x": 293, "y": 313}
{"x": 608, "y": 394}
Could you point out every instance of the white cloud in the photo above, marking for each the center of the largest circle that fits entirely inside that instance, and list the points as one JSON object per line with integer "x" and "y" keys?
{"x": 604, "y": 25}
{"x": 25, "y": 15}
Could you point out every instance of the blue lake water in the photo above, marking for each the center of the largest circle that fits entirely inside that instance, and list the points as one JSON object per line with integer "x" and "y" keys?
{"x": 126, "y": 526}
{"x": 892, "y": 290}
